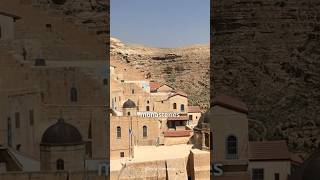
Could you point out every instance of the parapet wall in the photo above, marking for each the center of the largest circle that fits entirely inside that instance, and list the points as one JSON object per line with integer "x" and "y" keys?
{"x": 52, "y": 176}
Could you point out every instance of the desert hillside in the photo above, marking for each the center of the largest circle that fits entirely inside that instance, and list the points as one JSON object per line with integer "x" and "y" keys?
{"x": 267, "y": 54}
{"x": 185, "y": 68}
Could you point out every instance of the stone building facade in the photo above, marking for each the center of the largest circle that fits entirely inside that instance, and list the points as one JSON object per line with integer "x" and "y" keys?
{"x": 131, "y": 97}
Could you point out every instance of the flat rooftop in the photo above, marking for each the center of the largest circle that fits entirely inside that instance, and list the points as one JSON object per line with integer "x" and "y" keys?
{"x": 154, "y": 153}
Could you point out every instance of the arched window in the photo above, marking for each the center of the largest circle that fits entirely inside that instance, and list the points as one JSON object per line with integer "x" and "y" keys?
{"x": 174, "y": 105}
{"x": 145, "y": 131}
{"x": 182, "y": 108}
{"x": 118, "y": 132}
{"x": 60, "y": 164}
{"x": 73, "y": 94}
{"x": 232, "y": 147}
{"x": 147, "y": 108}
{"x": 128, "y": 113}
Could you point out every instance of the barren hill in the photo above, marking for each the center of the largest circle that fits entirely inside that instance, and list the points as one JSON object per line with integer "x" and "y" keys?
{"x": 267, "y": 54}
{"x": 185, "y": 68}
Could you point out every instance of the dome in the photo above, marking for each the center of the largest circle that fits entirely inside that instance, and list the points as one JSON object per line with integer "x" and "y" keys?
{"x": 129, "y": 104}
{"x": 61, "y": 133}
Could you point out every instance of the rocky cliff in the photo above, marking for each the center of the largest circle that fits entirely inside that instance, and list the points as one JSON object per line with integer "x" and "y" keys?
{"x": 185, "y": 69}
{"x": 267, "y": 54}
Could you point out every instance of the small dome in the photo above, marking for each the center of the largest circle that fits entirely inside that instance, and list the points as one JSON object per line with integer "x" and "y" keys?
{"x": 61, "y": 133}
{"x": 129, "y": 104}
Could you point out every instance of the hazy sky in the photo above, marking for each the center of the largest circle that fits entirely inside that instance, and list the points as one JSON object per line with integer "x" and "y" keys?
{"x": 161, "y": 23}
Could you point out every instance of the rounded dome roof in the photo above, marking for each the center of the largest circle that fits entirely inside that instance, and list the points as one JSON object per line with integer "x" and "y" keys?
{"x": 129, "y": 104}
{"x": 61, "y": 133}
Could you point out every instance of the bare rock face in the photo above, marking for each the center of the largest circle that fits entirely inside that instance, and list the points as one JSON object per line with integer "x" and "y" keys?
{"x": 267, "y": 54}
{"x": 185, "y": 69}
{"x": 92, "y": 14}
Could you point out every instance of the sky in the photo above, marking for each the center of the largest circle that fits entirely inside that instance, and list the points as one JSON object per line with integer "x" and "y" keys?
{"x": 161, "y": 23}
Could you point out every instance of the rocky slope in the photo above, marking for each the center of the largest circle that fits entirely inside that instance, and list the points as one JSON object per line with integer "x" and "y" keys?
{"x": 185, "y": 69}
{"x": 267, "y": 54}
{"x": 92, "y": 14}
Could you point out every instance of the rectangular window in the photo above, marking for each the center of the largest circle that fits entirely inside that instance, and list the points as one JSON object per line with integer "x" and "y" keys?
{"x": 276, "y": 176}
{"x": 207, "y": 140}
{"x": 121, "y": 154}
{"x": 31, "y": 117}
{"x": 258, "y": 174}
{"x": 9, "y": 133}
{"x": 105, "y": 82}
{"x": 89, "y": 149}
{"x": 17, "y": 119}
{"x": 118, "y": 132}
{"x": 190, "y": 117}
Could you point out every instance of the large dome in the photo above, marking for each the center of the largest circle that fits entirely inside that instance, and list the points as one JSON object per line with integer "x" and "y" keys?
{"x": 129, "y": 104}
{"x": 61, "y": 133}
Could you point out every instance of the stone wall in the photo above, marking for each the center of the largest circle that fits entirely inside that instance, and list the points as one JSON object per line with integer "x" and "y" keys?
{"x": 52, "y": 176}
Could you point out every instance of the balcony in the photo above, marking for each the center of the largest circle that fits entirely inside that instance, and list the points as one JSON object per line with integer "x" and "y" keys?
{"x": 177, "y": 133}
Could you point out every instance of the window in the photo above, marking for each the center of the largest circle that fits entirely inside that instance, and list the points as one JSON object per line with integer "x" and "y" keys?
{"x": 49, "y": 27}
{"x": 182, "y": 108}
{"x": 118, "y": 132}
{"x": 207, "y": 140}
{"x": 174, "y": 105}
{"x": 60, "y": 164}
{"x": 128, "y": 113}
{"x": 105, "y": 81}
{"x": 73, "y": 95}
{"x": 145, "y": 131}
{"x": 18, "y": 147}
{"x": 171, "y": 124}
{"x": 148, "y": 102}
{"x": 9, "y": 138}
{"x": 121, "y": 154}
{"x": 42, "y": 97}
{"x": 17, "y": 119}
{"x": 190, "y": 117}
{"x": 257, "y": 174}
{"x": 31, "y": 117}
{"x": 211, "y": 141}
{"x": 89, "y": 149}
{"x": 148, "y": 108}
{"x": 132, "y": 91}
{"x": 90, "y": 131}
{"x": 232, "y": 147}
{"x": 276, "y": 176}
